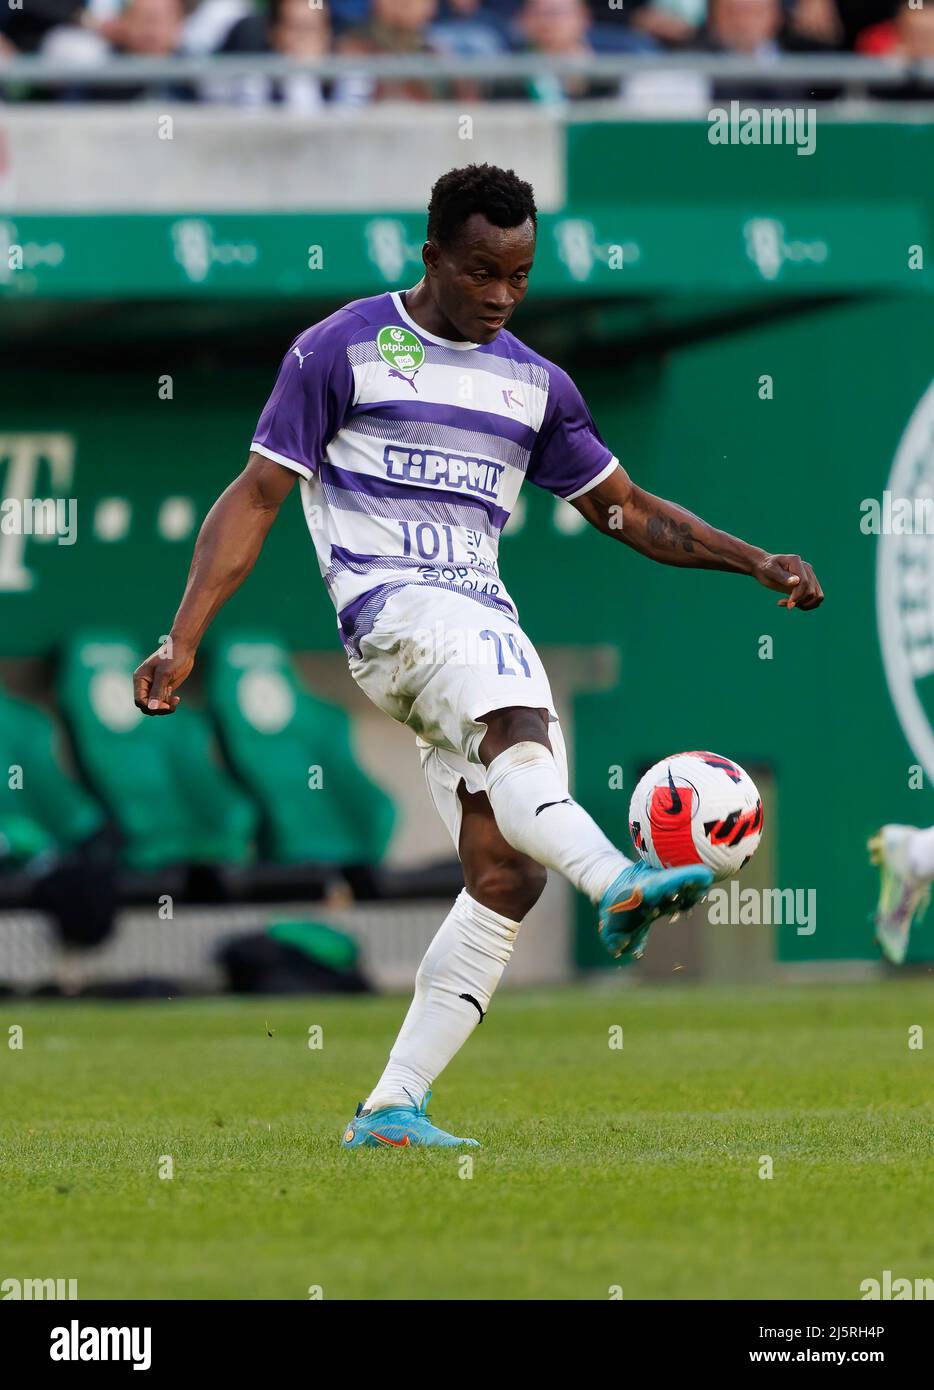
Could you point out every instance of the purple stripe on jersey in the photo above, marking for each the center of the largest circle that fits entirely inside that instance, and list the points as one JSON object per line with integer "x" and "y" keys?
{"x": 437, "y": 510}
{"x": 359, "y": 617}
{"x": 447, "y": 438}
{"x": 347, "y": 617}
{"x": 365, "y": 485}
{"x": 350, "y": 559}
{"x": 457, "y": 415}
{"x": 343, "y": 560}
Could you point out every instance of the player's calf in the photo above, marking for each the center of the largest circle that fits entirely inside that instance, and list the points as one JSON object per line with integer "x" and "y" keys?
{"x": 537, "y": 816}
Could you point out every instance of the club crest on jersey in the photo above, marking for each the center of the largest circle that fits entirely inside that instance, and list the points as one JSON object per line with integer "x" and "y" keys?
{"x": 400, "y": 348}
{"x": 432, "y": 468}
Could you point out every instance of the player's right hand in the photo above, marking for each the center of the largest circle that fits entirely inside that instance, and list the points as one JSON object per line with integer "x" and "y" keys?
{"x": 157, "y": 678}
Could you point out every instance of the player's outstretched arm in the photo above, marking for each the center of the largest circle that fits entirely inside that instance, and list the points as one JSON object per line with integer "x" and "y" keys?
{"x": 674, "y": 536}
{"x": 228, "y": 544}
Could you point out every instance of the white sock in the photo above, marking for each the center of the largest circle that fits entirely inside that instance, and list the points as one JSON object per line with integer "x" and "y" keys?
{"x": 528, "y": 796}
{"x": 921, "y": 853}
{"x": 467, "y": 957}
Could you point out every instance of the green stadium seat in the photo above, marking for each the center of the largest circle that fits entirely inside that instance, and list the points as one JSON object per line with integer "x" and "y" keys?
{"x": 172, "y": 800}
{"x": 41, "y": 808}
{"x": 294, "y": 752}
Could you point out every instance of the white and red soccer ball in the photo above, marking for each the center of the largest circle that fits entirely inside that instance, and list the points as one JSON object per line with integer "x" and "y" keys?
{"x": 696, "y": 808}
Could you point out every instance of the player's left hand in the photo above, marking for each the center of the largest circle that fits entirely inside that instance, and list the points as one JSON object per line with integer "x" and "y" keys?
{"x": 793, "y": 577}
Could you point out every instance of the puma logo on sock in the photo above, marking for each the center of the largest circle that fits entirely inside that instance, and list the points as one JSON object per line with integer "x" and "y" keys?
{"x": 470, "y": 999}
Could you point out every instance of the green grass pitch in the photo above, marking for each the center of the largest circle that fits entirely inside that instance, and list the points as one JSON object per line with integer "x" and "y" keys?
{"x": 635, "y": 1168}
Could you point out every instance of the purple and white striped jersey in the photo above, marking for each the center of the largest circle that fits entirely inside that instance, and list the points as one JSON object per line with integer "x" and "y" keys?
{"x": 412, "y": 449}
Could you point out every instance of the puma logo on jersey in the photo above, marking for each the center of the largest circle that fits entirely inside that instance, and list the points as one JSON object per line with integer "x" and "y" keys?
{"x": 402, "y": 377}
{"x": 302, "y": 355}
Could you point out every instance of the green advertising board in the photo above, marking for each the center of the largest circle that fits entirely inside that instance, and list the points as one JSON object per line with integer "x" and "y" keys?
{"x": 755, "y": 245}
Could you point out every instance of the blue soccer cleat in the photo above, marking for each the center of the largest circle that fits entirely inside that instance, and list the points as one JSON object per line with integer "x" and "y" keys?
{"x": 399, "y": 1127}
{"x": 639, "y": 895}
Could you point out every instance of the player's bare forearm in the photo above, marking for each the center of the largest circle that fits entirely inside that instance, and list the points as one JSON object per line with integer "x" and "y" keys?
{"x": 672, "y": 535}
{"x": 664, "y": 531}
{"x": 228, "y": 544}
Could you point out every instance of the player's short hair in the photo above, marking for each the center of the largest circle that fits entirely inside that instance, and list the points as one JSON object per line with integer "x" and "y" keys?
{"x": 502, "y": 197}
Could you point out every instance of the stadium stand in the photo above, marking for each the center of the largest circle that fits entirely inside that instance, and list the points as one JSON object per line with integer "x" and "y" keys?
{"x": 277, "y": 735}
{"x": 56, "y": 855}
{"x": 172, "y": 801}
{"x": 230, "y": 804}
{"x": 46, "y": 811}
{"x": 302, "y": 58}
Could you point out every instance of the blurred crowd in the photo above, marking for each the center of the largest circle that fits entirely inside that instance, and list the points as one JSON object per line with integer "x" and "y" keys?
{"x": 88, "y": 32}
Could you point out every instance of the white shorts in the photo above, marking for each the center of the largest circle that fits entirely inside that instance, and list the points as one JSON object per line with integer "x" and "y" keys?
{"x": 436, "y": 661}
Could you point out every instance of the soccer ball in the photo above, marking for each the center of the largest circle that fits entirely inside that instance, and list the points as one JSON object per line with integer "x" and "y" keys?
{"x": 696, "y": 808}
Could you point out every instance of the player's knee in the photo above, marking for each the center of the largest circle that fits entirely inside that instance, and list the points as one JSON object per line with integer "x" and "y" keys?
{"x": 511, "y": 887}
{"x": 506, "y": 727}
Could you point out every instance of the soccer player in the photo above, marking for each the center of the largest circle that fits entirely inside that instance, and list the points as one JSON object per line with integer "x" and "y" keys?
{"x": 905, "y": 857}
{"x": 412, "y": 419}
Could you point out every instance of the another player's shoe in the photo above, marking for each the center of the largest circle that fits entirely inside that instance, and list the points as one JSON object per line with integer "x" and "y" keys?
{"x": 639, "y": 895}
{"x": 903, "y": 897}
{"x": 399, "y": 1127}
